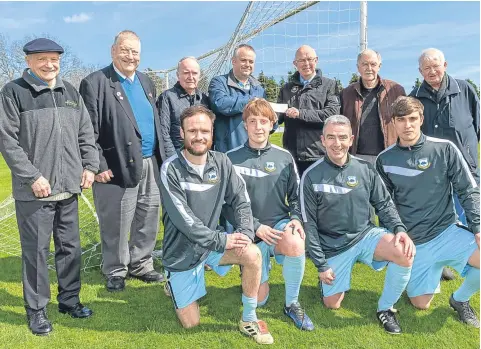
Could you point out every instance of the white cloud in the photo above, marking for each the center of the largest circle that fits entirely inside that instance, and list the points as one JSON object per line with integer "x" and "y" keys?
{"x": 78, "y": 18}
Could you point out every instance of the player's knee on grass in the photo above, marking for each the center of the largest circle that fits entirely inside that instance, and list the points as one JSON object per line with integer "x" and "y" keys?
{"x": 291, "y": 245}
{"x": 251, "y": 257}
{"x": 422, "y": 302}
{"x": 189, "y": 316}
{"x": 334, "y": 301}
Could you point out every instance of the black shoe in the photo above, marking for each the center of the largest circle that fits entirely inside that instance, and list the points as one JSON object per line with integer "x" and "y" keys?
{"x": 115, "y": 283}
{"x": 38, "y": 322}
{"x": 465, "y": 312}
{"x": 389, "y": 321}
{"x": 77, "y": 311}
{"x": 150, "y": 276}
{"x": 447, "y": 275}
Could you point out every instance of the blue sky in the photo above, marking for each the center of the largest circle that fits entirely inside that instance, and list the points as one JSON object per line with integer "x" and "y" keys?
{"x": 171, "y": 30}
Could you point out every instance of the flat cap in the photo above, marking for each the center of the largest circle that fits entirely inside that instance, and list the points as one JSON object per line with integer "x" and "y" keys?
{"x": 42, "y": 45}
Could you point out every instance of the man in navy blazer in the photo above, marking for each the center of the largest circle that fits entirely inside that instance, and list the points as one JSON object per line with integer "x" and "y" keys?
{"x": 121, "y": 103}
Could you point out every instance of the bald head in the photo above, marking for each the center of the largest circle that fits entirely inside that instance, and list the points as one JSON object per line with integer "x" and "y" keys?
{"x": 188, "y": 73}
{"x": 306, "y": 61}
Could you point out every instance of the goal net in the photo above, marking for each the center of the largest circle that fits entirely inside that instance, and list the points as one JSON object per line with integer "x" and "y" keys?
{"x": 276, "y": 29}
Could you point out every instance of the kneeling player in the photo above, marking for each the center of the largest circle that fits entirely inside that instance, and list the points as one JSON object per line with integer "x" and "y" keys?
{"x": 422, "y": 173}
{"x": 271, "y": 176}
{"x": 195, "y": 182}
{"x": 335, "y": 193}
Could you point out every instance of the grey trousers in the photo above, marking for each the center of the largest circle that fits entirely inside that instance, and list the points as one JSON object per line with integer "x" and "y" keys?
{"x": 36, "y": 220}
{"x": 123, "y": 210}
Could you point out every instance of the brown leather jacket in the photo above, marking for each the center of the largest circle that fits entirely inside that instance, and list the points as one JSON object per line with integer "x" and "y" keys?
{"x": 351, "y": 107}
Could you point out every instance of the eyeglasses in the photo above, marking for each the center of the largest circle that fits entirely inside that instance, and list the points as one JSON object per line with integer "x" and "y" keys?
{"x": 126, "y": 52}
{"x": 306, "y": 60}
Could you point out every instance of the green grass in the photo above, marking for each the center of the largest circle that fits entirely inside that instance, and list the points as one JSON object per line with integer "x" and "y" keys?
{"x": 143, "y": 317}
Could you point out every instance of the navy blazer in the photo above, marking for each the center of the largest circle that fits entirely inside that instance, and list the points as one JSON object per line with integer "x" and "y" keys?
{"x": 117, "y": 134}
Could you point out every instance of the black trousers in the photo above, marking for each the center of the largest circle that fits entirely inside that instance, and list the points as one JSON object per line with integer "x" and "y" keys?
{"x": 36, "y": 221}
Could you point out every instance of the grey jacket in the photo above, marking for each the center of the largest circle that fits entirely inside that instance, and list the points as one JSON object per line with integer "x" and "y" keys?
{"x": 171, "y": 103}
{"x": 191, "y": 207}
{"x": 335, "y": 206}
{"x": 421, "y": 179}
{"x": 271, "y": 177}
{"x": 45, "y": 132}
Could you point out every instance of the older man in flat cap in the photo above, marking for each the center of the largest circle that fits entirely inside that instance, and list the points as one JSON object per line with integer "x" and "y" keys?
{"x": 47, "y": 140}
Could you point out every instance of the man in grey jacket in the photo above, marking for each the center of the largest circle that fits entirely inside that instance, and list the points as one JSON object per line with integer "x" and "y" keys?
{"x": 172, "y": 102}
{"x": 48, "y": 143}
{"x": 335, "y": 194}
{"x": 422, "y": 173}
{"x": 195, "y": 182}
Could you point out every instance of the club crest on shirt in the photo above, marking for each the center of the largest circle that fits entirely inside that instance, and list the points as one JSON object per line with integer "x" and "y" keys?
{"x": 212, "y": 177}
{"x": 270, "y": 166}
{"x": 294, "y": 89}
{"x": 423, "y": 163}
{"x": 352, "y": 181}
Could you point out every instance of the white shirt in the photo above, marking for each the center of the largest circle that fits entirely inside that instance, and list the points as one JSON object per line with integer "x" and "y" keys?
{"x": 197, "y": 168}
{"x": 130, "y": 78}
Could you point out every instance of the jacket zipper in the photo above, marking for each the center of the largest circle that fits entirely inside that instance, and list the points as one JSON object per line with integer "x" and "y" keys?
{"x": 61, "y": 143}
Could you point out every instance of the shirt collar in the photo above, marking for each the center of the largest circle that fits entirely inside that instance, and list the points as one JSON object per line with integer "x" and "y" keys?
{"x": 304, "y": 81}
{"x": 243, "y": 85}
{"x": 36, "y": 77}
{"x": 130, "y": 78}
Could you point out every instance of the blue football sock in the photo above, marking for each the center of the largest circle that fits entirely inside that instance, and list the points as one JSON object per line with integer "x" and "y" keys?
{"x": 396, "y": 280}
{"x": 293, "y": 272}
{"x": 249, "y": 308}
{"x": 469, "y": 287}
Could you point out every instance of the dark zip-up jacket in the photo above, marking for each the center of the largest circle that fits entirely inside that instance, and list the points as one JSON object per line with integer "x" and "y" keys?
{"x": 421, "y": 179}
{"x": 335, "y": 206}
{"x": 454, "y": 116}
{"x": 272, "y": 182}
{"x": 45, "y": 132}
{"x": 191, "y": 207}
{"x": 316, "y": 102}
{"x": 351, "y": 107}
{"x": 171, "y": 103}
{"x": 228, "y": 100}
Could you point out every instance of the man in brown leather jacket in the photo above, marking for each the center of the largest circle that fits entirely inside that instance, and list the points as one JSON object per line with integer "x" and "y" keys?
{"x": 367, "y": 104}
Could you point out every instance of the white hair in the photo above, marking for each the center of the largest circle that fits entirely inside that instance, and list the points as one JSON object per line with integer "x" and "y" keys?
{"x": 431, "y": 54}
{"x": 337, "y": 120}
{"x": 185, "y": 58}
{"x": 123, "y": 34}
{"x": 369, "y": 51}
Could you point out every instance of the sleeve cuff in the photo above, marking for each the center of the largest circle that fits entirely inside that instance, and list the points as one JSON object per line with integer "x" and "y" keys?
{"x": 399, "y": 229}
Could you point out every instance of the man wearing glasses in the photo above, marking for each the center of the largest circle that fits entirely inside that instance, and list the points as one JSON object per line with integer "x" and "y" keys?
{"x": 121, "y": 103}
{"x": 311, "y": 99}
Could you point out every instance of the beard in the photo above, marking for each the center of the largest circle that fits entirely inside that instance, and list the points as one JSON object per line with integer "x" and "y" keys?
{"x": 194, "y": 152}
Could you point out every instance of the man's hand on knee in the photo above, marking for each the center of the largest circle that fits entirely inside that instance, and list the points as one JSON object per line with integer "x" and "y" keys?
{"x": 295, "y": 226}
{"x": 409, "y": 249}
{"x": 269, "y": 235}
{"x": 237, "y": 241}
